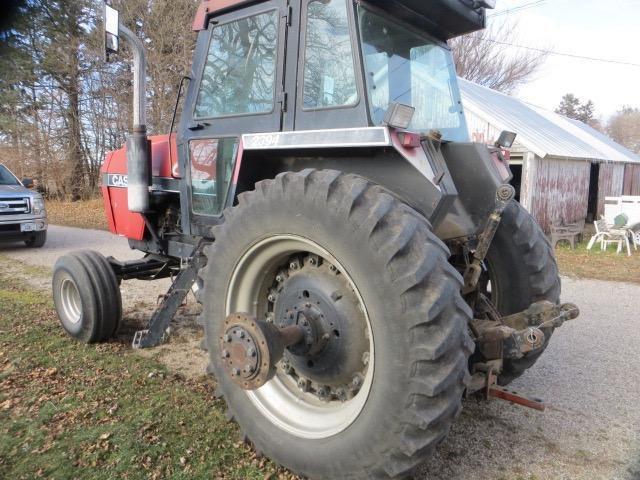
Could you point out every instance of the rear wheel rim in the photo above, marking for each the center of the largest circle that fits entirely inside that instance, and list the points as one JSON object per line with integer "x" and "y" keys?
{"x": 280, "y": 400}
{"x": 71, "y": 302}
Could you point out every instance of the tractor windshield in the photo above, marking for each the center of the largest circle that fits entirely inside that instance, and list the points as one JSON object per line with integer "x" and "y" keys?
{"x": 407, "y": 67}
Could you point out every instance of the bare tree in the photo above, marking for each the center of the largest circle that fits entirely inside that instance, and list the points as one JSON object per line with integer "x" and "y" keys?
{"x": 482, "y": 57}
{"x": 624, "y": 128}
{"x": 61, "y": 107}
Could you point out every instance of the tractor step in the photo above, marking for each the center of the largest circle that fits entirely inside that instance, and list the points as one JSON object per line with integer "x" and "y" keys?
{"x": 156, "y": 332}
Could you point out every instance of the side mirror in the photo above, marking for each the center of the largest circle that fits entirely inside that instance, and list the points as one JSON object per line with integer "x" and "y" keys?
{"x": 506, "y": 139}
{"x": 27, "y": 182}
{"x": 111, "y": 30}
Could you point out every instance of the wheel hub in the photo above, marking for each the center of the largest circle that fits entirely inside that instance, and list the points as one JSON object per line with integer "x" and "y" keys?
{"x": 331, "y": 360}
{"x": 251, "y": 348}
{"x": 291, "y": 401}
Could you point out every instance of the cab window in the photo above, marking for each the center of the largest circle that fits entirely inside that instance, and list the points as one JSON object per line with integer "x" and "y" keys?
{"x": 329, "y": 72}
{"x": 239, "y": 75}
{"x": 212, "y": 162}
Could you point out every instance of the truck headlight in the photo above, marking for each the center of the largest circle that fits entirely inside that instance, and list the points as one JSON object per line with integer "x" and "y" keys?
{"x": 38, "y": 206}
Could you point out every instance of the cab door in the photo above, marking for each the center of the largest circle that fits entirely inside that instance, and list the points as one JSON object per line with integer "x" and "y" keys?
{"x": 237, "y": 88}
{"x": 327, "y": 81}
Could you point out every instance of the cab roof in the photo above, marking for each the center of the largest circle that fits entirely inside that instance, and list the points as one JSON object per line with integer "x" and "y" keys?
{"x": 443, "y": 18}
{"x": 210, "y": 7}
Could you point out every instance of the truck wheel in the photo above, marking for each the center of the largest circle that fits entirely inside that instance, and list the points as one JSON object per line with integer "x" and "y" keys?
{"x": 379, "y": 382}
{"x": 86, "y": 296}
{"x": 37, "y": 240}
{"x": 522, "y": 270}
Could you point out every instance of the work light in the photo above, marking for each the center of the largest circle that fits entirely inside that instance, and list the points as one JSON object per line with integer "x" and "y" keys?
{"x": 399, "y": 115}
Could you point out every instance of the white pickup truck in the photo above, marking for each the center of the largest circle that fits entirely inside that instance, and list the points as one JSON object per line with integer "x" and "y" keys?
{"x": 23, "y": 216}
{"x": 630, "y": 206}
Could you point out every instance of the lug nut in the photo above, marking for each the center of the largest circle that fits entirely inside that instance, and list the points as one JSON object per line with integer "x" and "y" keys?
{"x": 226, "y": 338}
{"x": 303, "y": 384}
{"x": 286, "y": 367}
{"x": 323, "y": 394}
{"x": 357, "y": 381}
{"x": 240, "y": 334}
{"x": 249, "y": 369}
{"x": 341, "y": 394}
{"x": 235, "y": 372}
{"x": 252, "y": 352}
{"x": 225, "y": 354}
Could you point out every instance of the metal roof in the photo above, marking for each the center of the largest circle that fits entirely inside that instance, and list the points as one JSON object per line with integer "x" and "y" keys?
{"x": 540, "y": 131}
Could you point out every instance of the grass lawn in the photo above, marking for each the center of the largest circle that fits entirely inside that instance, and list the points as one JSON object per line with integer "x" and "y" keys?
{"x": 70, "y": 411}
{"x": 594, "y": 263}
{"x": 81, "y": 214}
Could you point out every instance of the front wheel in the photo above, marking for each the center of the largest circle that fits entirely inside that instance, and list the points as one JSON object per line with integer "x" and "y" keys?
{"x": 37, "y": 240}
{"x": 378, "y": 379}
{"x": 87, "y": 297}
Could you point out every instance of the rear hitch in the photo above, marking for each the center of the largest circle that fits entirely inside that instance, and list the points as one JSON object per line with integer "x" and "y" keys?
{"x": 485, "y": 382}
{"x": 504, "y": 195}
{"x": 512, "y": 337}
{"x": 519, "y": 334}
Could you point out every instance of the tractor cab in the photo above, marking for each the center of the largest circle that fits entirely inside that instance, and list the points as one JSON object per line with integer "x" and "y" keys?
{"x": 282, "y": 80}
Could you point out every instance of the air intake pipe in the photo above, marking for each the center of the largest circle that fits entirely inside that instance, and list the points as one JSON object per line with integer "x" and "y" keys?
{"x": 138, "y": 145}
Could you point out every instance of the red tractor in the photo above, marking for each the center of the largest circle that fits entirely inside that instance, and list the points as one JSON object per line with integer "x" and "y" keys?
{"x": 362, "y": 266}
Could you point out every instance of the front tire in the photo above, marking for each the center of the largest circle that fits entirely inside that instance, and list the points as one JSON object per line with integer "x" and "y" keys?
{"x": 87, "y": 297}
{"x": 412, "y": 324}
{"x": 37, "y": 240}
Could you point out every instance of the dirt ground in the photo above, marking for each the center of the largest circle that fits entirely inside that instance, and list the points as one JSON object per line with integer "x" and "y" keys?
{"x": 590, "y": 376}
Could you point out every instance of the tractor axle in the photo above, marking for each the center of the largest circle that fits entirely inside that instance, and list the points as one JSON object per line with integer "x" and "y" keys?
{"x": 251, "y": 349}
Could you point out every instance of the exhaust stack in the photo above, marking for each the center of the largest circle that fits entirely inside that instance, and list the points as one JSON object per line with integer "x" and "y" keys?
{"x": 138, "y": 145}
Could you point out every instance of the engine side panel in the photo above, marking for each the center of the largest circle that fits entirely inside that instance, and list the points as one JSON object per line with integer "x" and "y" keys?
{"x": 164, "y": 167}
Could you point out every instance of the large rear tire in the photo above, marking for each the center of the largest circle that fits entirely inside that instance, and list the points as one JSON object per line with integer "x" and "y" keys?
{"x": 402, "y": 308}
{"x": 522, "y": 270}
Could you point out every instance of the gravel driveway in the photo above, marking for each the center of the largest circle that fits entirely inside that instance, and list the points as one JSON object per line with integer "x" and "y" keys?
{"x": 590, "y": 375}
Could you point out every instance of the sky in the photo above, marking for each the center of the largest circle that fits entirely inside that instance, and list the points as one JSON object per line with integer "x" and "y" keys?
{"x": 608, "y": 29}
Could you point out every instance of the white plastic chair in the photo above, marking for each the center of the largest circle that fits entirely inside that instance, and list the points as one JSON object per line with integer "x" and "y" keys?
{"x": 607, "y": 236}
{"x": 601, "y": 233}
